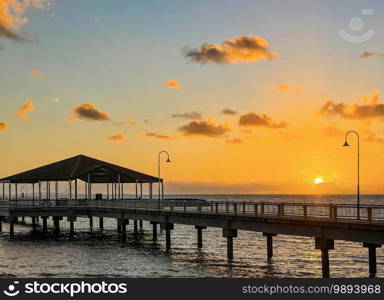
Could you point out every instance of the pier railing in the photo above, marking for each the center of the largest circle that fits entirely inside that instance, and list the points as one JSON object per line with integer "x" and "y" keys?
{"x": 332, "y": 212}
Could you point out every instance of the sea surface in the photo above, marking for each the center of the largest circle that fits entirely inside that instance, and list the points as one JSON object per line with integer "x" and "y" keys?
{"x": 96, "y": 254}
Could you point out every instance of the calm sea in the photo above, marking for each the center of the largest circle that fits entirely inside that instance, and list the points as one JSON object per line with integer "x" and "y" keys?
{"x": 95, "y": 254}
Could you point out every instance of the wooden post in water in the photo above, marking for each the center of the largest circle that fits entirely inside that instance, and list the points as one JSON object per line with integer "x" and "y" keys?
{"x": 154, "y": 231}
{"x": 101, "y": 223}
{"x": 44, "y": 224}
{"x": 34, "y": 224}
{"x": 124, "y": 229}
{"x": 168, "y": 227}
{"x": 324, "y": 245}
{"x": 71, "y": 220}
{"x": 91, "y": 222}
{"x": 11, "y": 227}
{"x": 229, "y": 233}
{"x": 372, "y": 257}
{"x": 200, "y": 235}
{"x": 135, "y": 226}
{"x": 56, "y": 224}
{"x": 269, "y": 244}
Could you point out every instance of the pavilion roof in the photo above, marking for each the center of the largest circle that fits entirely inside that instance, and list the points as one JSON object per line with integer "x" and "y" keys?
{"x": 80, "y": 167}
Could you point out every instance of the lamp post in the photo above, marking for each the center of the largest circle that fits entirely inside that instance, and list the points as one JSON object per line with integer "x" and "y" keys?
{"x": 358, "y": 166}
{"x": 158, "y": 169}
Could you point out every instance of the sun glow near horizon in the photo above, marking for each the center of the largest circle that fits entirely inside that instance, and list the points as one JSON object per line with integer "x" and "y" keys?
{"x": 318, "y": 180}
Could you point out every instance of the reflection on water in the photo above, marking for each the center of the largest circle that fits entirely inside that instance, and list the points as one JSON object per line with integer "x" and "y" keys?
{"x": 94, "y": 254}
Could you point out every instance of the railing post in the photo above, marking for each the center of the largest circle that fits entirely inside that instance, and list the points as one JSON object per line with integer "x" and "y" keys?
{"x": 369, "y": 214}
{"x": 217, "y": 208}
{"x": 171, "y": 206}
{"x": 227, "y": 206}
{"x": 211, "y": 203}
{"x": 235, "y": 208}
{"x": 330, "y": 211}
{"x": 256, "y": 210}
{"x": 185, "y": 206}
{"x": 199, "y": 207}
{"x": 305, "y": 211}
{"x": 262, "y": 208}
{"x": 335, "y": 212}
{"x": 244, "y": 208}
{"x": 279, "y": 210}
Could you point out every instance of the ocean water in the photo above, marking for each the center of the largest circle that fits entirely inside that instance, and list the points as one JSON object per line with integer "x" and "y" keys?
{"x": 96, "y": 254}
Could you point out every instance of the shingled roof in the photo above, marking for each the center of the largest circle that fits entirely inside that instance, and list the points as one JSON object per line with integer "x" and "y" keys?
{"x": 79, "y": 167}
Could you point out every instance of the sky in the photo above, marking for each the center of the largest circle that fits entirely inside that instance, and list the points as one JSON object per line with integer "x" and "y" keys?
{"x": 246, "y": 96}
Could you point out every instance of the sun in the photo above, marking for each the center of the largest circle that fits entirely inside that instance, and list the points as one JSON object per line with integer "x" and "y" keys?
{"x": 319, "y": 180}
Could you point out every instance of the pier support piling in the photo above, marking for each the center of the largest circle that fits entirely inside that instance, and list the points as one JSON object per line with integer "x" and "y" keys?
{"x": 229, "y": 233}
{"x": 71, "y": 221}
{"x": 91, "y": 222}
{"x": 200, "y": 235}
{"x": 168, "y": 227}
{"x": 56, "y": 225}
{"x": 45, "y": 224}
{"x": 269, "y": 244}
{"x": 23, "y": 220}
{"x": 135, "y": 226}
{"x": 33, "y": 224}
{"x": 1, "y": 224}
{"x": 124, "y": 229}
{"x": 101, "y": 223}
{"x": 324, "y": 245}
{"x": 118, "y": 226}
{"x": 141, "y": 224}
{"x": 11, "y": 228}
{"x": 154, "y": 231}
{"x": 372, "y": 257}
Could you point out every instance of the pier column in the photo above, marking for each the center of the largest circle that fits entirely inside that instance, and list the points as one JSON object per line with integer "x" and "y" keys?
{"x": 141, "y": 224}
{"x": 56, "y": 224}
{"x": 118, "y": 226}
{"x": 101, "y": 223}
{"x": 229, "y": 233}
{"x": 23, "y": 220}
{"x": 11, "y": 227}
{"x": 135, "y": 226}
{"x": 200, "y": 235}
{"x": 44, "y": 224}
{"x": 1, "y": 224}
{"x": 124, "y": 229}
{"x": 269, "y": 244}
{"x": 372, "y": 257}
{"x": 91, "y": 222}
{"x": 324, "y": 245}
{"x": 33, "y": 224}
{"x": 168, "y": 227}
{"x": 71, "y": 220}
{"x": 154, "y": 231}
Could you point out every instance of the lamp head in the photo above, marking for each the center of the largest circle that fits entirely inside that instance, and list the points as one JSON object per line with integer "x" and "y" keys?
{"x": 346, "y": 144}
{"x": 168, "y": 160}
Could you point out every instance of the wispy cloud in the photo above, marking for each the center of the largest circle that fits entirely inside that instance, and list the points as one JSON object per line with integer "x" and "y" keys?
{"x": 173, "y": 84}
{"x": 228, "y": 111}
{"x": 204, "y": 128}
{"x": 116, "y": 137}
{"x": 36, "y": 74}
{"x": 157, "y": 136}
{"x": 242, "y": 49}
{"x": 368, "y": 54}
{"x": 332, "y": 131}
{"x": 263, "y": 120}
{"x": 370, "y": 106}
{"x": 88, "y": 112}
{"x": 23, "y": 111}
{"x": 13, "y": 16}
{"x": 3, "y": 126}
{"x": 188, "y": 115}
{"x": 124, "y": 122}
{"x": 234, "y": 141}
{"x": 288, "y": 87}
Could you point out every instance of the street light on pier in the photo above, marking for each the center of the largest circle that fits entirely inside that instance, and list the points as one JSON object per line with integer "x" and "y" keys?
{"x": 161, "y": 194}
{"x": 358, "y": 166}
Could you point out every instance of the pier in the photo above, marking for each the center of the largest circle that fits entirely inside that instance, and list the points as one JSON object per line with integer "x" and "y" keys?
{"x": 325, "y": 223}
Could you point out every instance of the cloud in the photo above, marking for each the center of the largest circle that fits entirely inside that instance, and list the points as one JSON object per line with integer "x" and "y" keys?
{"x": 95, "y": 20}
{"x": 12, "y": 16}
{"x": 368, "y": 54}
{"x": 204, "y": 128}
{"x": 36, "y": 74}
{"x": 23, "y": 111}
{"x": 117, "y": 137}
{"x": 253, "y": 119}
{"x": 3, "y": 126}
{"x": 172, "y": 84}
{"x": 242, "y": 49}
{"x": 332, "y": 131}
{"x": 188, "y": 115}
{"x": 228, "y": 111}
{"x": 124, "y": 122}
{"x": 370, "y": 106}
{"x": 288, "y": 87}
{"x": 157, "y": 136}
{"x": 88, "y": 112}
{"x": 234, "y": 141}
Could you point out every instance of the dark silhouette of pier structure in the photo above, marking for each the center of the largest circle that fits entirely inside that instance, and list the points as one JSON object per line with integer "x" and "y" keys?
{"x": 324, "y": 222}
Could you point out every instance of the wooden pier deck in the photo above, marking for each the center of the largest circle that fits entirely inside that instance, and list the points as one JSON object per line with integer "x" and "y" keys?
{"x": 325, "y": 223}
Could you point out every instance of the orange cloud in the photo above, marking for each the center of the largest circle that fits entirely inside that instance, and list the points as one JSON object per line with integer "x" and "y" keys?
{"x": 228, "y": 111}
{"x": 23, "y": 111}
{"x": 172, "y": 84}
{"x": 36, "y": 74}
{"x": 371, "y": 107}
{"x": 12, "y": 16}
{"x": 244, "y": 48}
{"x": 188, "y": 115}
{"x": 204, "y": 128}
{"x": 3, "y": 126}
{"x": 125, "y": 122}
{"x": 368, "y": 54}
{"x": 88, "y": 112}
{"x": 157, "y": 136}
{"x": 234, "y": 141}
{"x": 253, "y": 119}
{"x": 117, "y": 137}
{"x": 287, "y": 87}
